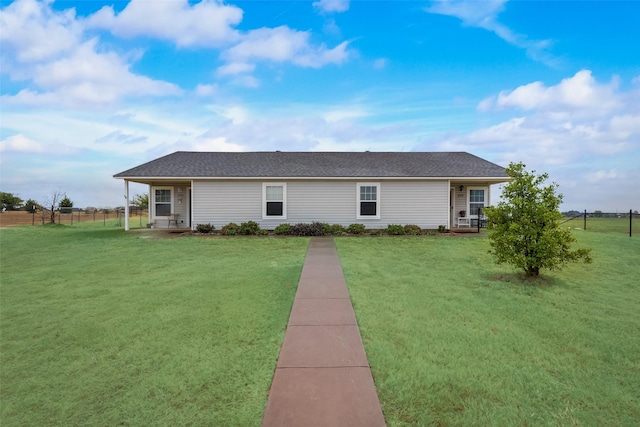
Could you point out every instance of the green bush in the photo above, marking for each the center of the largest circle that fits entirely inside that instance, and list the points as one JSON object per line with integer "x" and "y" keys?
{"x": 282, "y": 229}
{"x": 249, "y": 228}
{"x": 230, "y": 229}
{"x": 356, "y": 229}
{"x": 377, "y": 232}
{"x": 205, "y": 228}
{"x": 335, "y": 229}
{"x": 262, "y": 232}
{"x": 395, "y": 230}
{"x": 442, "y": 228}
{"x": 313, "y": 229}
{"x": 412, "y": 230}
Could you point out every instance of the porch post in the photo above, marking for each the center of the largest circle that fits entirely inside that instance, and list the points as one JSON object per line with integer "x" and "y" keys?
{"x": 126, "y": 205}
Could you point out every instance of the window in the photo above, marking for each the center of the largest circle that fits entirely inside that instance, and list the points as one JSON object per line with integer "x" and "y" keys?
{"x": 476, "y": 201}
{"x": 274, "y": 203}
{"x": 368, "y": 201}
{"x": 162, "y": 202}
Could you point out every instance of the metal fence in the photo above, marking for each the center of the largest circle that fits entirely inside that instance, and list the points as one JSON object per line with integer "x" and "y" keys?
{"x": 112, "y": 217}
{"x": 619, "y": 222}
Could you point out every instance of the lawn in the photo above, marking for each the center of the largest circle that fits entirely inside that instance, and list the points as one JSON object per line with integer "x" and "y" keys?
{"x": 101, "y": 327}
{"x": 453, "y": 339}
{"x": 606, "y": 225}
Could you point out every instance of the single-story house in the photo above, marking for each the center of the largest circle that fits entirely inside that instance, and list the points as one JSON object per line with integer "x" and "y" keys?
{"x": 376, "y": 189}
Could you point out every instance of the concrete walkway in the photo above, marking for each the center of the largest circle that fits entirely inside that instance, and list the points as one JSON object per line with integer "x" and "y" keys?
{"x": 322, "y": 377}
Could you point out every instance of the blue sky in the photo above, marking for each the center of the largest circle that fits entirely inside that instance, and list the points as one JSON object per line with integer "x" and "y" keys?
{"x": 92, "y": 88}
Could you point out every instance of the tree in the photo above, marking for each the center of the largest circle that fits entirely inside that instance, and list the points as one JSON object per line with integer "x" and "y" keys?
{"x": 66, "y": 203}
{"x": 31, "y": 205}
{"x": 141, "y": 201}
{"x": 525, "y": 225}
{"x": 10, "y": 202}
{"x": 53, "y": 201}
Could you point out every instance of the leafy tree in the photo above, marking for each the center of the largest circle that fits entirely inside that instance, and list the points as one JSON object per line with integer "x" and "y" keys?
{"x": 31, "y": 205}
{"x": 10, "y": 202}
{"x": 65, "y": 202}
{"x": 526, "y": 228}
{"x": 141, "y": 201}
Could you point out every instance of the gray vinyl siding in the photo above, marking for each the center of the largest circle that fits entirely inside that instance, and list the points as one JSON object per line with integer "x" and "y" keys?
{"x": 424, "y": 203}
{"x": 221, "y": 202}
{"x": 179, "y": 205}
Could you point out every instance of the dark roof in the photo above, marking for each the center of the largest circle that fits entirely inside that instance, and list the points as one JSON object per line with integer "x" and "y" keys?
{"x": 187, "y": 164}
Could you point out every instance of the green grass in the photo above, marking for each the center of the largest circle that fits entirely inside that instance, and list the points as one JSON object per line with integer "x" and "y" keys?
{"x": 453, "y": 339}
{"x": 607, "y": 225}
{"x": 101, "y": 327}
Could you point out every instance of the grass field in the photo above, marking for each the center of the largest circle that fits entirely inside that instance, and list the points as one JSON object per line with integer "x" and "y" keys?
{"x": 104, "y": 328}
{"x": 453, "y": 339}
{"x": 606, "y": 225}
{"x": 101, "y": 327}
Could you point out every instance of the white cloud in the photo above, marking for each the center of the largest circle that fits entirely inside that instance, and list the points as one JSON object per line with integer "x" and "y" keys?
{"x": 329, "y": 6}
{"x": 22, "y": 144}
{"x": 484, "y": 14}
{"x": 204, "y": 90}
{"x": 602, "y": 175}
{"x": 32, "y": 31}
{"x": 64, "y": 69}
{"x": 207, "y": 23}
{"x": 281, "y": 44}
{"x": 581, "y": 131}
{"x": 578, "y": 92}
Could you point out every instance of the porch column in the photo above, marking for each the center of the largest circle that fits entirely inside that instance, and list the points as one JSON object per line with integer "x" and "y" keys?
{"x": 126, "y": 205}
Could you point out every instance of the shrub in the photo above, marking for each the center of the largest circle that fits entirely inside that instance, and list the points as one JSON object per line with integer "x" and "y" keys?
{"x": 442, "y": 228}
{"x": 262, "y": 232}
{"x": 356, "y": 229}
{"x": 334, "y": 229}
{"x": 230, "y": 229}
{"x": 412, "y": 230}
{"x": 313, "y": 229}
{"x": 395, "y": 230}
{"x": 377, "y": 232}
{"x": 205, "y": 228}
{"x": 282, "y": 229}
{"x": 249, "y": 228}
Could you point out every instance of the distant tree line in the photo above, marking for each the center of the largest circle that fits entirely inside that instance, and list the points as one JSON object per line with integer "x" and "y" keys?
{"x": 58, "y": 201}
{"x": 598, "y": 214}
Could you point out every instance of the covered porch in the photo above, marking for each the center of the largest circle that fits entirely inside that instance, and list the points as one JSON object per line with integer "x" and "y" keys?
{"x": 169, "y": 204}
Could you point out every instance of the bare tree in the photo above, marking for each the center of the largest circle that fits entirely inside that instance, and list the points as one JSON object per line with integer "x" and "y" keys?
{"x": 54, "y": 200}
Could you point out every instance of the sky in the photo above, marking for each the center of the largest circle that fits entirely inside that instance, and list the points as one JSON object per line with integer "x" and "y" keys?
{"x": 89, "y": 89}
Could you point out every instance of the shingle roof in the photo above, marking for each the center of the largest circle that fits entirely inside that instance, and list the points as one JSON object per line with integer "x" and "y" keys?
{"x": 186, "y": 164}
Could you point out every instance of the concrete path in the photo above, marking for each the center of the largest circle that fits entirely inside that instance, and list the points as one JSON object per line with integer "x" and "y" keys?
{"x": 322, "y": 377}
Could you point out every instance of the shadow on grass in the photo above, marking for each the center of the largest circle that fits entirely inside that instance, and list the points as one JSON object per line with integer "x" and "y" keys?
{"x": 525, "y": 282}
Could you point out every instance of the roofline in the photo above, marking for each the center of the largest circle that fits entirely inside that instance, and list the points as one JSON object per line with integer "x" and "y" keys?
{"x": 307, "y": 178}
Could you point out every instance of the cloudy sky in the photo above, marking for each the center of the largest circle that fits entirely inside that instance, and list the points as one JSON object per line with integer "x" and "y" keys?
{"x": 92, "y": 88}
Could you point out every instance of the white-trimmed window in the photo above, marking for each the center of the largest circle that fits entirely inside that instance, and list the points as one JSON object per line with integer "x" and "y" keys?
{"x": 274, "y": 200}
{"x": 162, "y": 201}
{"x": 368, "y": 200}
{"x": 477, "y": 200}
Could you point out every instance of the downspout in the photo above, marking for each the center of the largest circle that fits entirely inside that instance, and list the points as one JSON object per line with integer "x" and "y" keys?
{"x": 126, "y": 205}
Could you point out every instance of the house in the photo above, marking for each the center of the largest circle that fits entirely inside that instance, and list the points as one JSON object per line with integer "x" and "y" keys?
{"x": 376, "y": 189}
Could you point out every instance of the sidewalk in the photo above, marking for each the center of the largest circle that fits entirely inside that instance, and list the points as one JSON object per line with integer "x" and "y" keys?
{"x": 322, "y": 377}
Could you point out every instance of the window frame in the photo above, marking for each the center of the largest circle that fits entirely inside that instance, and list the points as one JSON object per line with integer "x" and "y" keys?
{"x": 264, "y": 200}
{"x": 484, "y": 202}
{"x": 155, "y": 202}
{"x": 359, "y": 185}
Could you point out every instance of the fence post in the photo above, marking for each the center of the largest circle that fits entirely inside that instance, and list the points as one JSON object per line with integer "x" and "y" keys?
{"x": 630, "y": 222}
{"x": 585, "y": 219}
